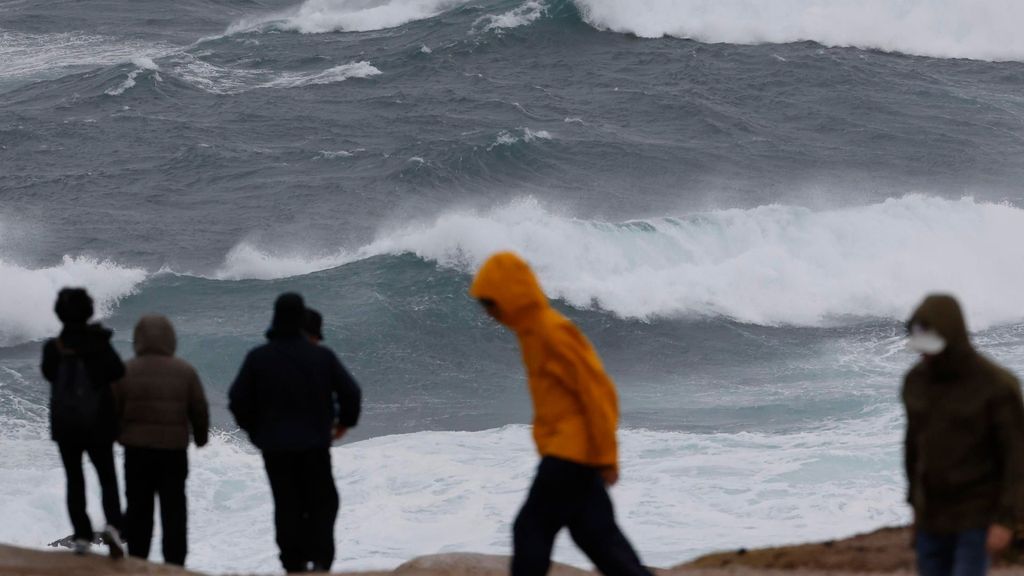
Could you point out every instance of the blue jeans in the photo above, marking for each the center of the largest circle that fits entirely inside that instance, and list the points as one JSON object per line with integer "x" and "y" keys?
{"x": 957, "y": 554}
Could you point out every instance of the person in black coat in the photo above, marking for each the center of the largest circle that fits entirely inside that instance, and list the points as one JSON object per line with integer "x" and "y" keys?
{"x": 294, "y": 398}
{"x": 81, "y": 365}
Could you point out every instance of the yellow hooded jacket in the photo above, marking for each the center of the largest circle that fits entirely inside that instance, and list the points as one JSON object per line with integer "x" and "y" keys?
{"x": 575, "y": 406}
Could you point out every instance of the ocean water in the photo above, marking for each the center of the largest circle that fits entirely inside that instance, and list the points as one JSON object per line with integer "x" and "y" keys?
{"x": 739, "y": 201}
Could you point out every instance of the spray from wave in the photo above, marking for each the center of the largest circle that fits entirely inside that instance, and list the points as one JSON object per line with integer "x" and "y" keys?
{"x": 27, "y": 295}
{"x": 319, "y": 16}
{"x": 975, "y": 29}
{"x": 774, "y": 265}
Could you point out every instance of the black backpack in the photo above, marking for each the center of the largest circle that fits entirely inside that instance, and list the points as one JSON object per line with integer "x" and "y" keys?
{"x": 75, "y": 404}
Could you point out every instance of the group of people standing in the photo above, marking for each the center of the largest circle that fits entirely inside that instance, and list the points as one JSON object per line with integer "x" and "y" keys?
{"x": 964, "y": 442}
{"x": 292, "y": 396}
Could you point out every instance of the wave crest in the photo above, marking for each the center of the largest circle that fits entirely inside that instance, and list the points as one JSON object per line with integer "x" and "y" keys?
{"x": 320, "y": 16}
{"x": 27, "y": 295}
{"x": 773, "y": 265}
{"x": 986, "y": 30}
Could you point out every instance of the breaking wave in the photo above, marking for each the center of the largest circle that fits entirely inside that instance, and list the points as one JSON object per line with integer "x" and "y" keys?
{"x": 975, "y": 29}
{"x": 27, "y": 294}
{"x": 319, "y": 16}
{"x": 773, "y": 265}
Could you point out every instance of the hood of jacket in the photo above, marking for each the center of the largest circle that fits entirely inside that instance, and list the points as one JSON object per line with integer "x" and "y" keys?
{"x": 507, "y": 280}
{"x": 289, "y": 317}
{"x": 943, "y": 314}
{"x": 154, "y": 336}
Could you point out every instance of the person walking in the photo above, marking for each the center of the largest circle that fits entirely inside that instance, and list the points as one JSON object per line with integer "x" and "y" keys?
{"x": 293, "y": 398}
{"x": 80, "y": 365}
{"x": 157, "y": 403}
{"x": 964, "y": 446}
{"x": 574, "y": 427}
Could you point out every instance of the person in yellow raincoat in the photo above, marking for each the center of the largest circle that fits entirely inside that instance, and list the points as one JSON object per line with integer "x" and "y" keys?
{"x": 574, "y": 426}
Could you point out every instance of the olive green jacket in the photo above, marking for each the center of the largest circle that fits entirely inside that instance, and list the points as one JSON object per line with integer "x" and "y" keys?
{"x": 965, "y": 432}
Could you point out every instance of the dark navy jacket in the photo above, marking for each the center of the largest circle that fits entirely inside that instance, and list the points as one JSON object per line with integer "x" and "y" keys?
{"x": 290, "y": 392}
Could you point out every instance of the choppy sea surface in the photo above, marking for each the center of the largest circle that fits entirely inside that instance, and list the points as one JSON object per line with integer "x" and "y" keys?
{"x": 738, "y": 200}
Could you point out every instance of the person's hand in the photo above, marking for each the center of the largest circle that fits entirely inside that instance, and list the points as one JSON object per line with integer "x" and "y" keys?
{"x": 338, "y": 433}
{"x": 999, "y": 539}
{"x": 610, "y": 475}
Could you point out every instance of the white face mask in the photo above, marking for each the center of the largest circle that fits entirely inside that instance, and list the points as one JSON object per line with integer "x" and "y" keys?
{"x": 925, "y": 341}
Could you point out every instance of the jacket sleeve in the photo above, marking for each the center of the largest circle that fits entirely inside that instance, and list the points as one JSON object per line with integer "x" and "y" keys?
{"x": 113, "y": 367}
{"x": 576, "y": 363}
{"x": 242, "y": 397}
{"x": 910, "y": 452}
{"x": 118, "y": 389}
{"x": 198, "y": 410}
{"x": 51, "y": 361}
{"x": 1008, "y": 422}
{"x": 348, "y": 395}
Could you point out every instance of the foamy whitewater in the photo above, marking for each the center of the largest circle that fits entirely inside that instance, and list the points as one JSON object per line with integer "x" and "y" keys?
{"x": 739, "y": 202}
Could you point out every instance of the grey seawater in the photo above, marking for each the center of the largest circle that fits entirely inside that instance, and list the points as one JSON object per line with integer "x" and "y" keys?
{"x": 198, "y": 157}
{"x": 145, "y": 134}
{"x": 235, "y": 135}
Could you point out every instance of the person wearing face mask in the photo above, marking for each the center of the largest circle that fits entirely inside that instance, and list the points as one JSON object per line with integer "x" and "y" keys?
{"x": 964, "y": 450}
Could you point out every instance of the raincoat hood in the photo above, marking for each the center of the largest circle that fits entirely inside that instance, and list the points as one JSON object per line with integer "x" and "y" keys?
{"x": 943, "y": 314}
{"x": 507, "y": 280}
{"x": 154, "y": 335}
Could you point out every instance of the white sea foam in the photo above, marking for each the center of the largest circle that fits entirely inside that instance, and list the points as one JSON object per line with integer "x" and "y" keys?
{"x": 318, "y": 16}
{"x": 331, "y": 75}
{"x": 142, "y": 64}
{"x": 508, "y": 138}
{"x": 27, "y": 294}
{"x": 774, "y": 265}
{"x": 977, "y": 29}
{"x": 403, "y": 496}
{"x": 522, "y": 15}
{"x": 332, "y": 154}
{"x": 226, "y": 80}
{"x": 46, "y": 55}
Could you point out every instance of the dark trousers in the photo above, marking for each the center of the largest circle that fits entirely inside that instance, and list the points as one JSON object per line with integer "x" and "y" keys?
{"x": 102, "y": 457}
{"x": 957, "y": 554}
{"x": 305, "y": 507}
{"x": 565, "y": 494}
{"x": 149, "y": 473}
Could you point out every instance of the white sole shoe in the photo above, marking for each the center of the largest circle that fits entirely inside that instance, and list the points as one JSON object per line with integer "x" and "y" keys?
{"x": 112, "y": 538}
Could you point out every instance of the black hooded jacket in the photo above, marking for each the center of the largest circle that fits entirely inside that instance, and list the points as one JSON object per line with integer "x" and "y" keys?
{"x": 965, "y": 432}
{"x": 290, "y": 392}
{"x": 102, "y": 364}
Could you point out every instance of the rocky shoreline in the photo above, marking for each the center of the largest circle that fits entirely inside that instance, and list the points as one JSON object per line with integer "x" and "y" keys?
{"x": 885, "y": 551}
